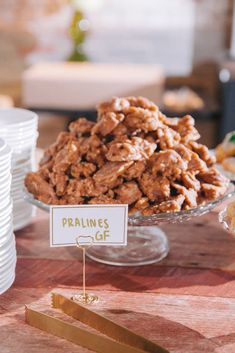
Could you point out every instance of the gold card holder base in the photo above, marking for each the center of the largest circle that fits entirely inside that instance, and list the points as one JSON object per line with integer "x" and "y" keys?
{"x": 85, "y": 299}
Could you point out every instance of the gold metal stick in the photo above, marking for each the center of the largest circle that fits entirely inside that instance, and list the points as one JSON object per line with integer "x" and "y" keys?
{"x": 84, "y": 271}
{"x": 84, "y": 242}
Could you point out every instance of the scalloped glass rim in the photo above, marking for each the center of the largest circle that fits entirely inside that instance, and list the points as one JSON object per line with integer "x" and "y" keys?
{"x": 226, "y": 173}
{"x": 156, "y": 219}
{"x": 224, "y": 220}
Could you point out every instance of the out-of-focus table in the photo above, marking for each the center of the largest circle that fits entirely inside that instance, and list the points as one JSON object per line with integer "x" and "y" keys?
{"x": 186, "y": 303}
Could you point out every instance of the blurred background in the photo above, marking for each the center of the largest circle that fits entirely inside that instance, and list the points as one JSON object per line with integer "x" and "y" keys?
{"x": 60, "y": 58}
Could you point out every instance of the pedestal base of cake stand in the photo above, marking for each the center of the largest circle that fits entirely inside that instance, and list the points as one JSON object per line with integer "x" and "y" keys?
{"x": 146, "y": 245}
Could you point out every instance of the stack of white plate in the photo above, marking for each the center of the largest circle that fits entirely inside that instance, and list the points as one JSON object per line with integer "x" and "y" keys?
{"x": 18, "y": 127}
{"x": 7, "y": 238}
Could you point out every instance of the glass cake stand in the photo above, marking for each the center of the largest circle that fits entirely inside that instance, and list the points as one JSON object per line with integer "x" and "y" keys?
{"x": 226, "y": 222}
{"x": 147, "y": 243}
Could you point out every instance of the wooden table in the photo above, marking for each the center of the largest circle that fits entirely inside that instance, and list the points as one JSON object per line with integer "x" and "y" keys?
{"x": 186, "y": 303}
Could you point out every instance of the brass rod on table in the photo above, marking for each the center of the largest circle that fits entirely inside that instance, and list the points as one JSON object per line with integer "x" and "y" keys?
{"x": 84, "y": 272}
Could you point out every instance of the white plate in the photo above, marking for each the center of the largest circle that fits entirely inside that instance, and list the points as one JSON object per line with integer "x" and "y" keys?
{"x": 5, "y": 258}
{"x": 5, "y": 201}
{"x": 4, "y": 212}
{"x": 7, "y": 282}
{"x": 2, "y": 144}
{"x": 5, "y": 227}
{"x": 17, "y": 183}
{"x": 8, "y": 262}
{"x": 17, "y": 131}
{"x": 14, "y": 140}
{"x": 5, "y": 163}
{"x": 8, "y": 268}
{"x": 6, "y": 180}
{"x": 4, "y": 174}
{"x": 5, "y": 238}
{"x": 5, "y": 154}
{"x": 17, "y": 118}
{"x": 5, "y": 191}
{"x": 22, "y": 133}
{"x": 4, "y": 198}
{"x": 19, "y": 174}
{"x": 9, "y": 256}
{"x": 7, "y": 276}
{"x": 10, "y": 131}
{"x": 22, "y": 144}
{"x": 5, "y": 167}
{"x": 18, "y": 166}
{"x": 5, "y": 287}
{"x": 23, "y": 156}
{"x": 5, "y": 246}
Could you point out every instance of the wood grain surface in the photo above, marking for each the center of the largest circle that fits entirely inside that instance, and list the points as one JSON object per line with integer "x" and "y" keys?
{"x": 186, "y": 303}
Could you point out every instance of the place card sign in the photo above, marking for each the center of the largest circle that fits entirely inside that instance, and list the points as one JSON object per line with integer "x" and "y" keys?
{"x": 106, "y": 224}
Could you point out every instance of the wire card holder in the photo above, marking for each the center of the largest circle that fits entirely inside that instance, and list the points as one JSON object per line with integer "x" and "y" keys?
{"x": 84, "y": 242}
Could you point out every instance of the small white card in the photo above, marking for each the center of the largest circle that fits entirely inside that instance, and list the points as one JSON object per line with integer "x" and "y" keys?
{"x": 106, "y": 224}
